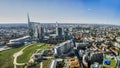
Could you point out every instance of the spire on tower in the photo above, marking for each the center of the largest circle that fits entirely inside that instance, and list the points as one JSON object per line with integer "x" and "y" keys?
{"x": 28, "y": 17}
{"x": 56, "y": 24}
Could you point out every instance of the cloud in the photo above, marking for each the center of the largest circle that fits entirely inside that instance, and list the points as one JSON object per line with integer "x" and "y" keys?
{"x": 89, "y": 9}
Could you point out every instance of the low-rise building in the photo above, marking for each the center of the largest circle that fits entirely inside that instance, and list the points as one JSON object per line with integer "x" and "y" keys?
{"x": 17, "y": 42}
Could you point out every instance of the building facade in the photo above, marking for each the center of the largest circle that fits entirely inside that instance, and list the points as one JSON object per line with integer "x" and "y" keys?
{"x": 35, "y": 29}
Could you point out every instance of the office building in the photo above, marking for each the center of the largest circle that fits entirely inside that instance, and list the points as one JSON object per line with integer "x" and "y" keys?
{"x": 63, "y": 48}
{"x": 59, "y": 30}
{"x": 35, "y": 29}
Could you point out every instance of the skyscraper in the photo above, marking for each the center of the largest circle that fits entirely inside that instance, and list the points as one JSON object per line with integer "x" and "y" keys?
{"x": 56, "y": 28}
{"x": 30, "y": 26}
{"x": 35, "y": 29}
{"x": 59, "y": 30}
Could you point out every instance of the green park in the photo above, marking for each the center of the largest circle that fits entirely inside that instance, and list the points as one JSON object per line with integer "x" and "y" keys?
{"x": 6, "y": 57}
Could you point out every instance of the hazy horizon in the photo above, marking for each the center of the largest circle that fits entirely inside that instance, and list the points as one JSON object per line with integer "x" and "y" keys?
{"x": 63, "y": 11}
{"x": 62, "y": 23}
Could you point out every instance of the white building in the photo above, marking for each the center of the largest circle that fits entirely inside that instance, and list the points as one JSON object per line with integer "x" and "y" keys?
{"x": 63, "y": 48}
{"x": 18, "y": 41}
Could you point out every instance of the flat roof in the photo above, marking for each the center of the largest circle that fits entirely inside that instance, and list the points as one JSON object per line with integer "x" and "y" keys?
{"x": 63, "y": 43}
{"x": 20, "y": 38}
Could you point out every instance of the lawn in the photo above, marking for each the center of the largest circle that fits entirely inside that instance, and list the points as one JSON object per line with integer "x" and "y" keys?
{"x": 6, "y": 57}
{"x": 27, "y": 53}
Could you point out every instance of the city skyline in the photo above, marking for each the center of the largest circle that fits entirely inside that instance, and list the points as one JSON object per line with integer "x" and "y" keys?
{"x": 63, "y": 11}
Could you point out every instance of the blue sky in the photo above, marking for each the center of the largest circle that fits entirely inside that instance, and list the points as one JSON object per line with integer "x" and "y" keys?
{"x": 69, "y": 11}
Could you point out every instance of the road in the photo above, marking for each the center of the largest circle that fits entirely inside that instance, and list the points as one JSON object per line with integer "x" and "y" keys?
{"x": 41, "y": 64}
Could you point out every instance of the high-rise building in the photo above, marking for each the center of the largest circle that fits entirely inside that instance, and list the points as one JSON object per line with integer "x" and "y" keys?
{"x": 59, "y": 30}
{"x": 30, "y": 26}
{"x": 38, "y": 33}
{"x": 35, "y": 29}
{"x": 56, "y": 28}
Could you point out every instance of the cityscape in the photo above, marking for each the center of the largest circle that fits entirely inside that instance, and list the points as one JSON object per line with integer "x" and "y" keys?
{"x": 60, "y": 44}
